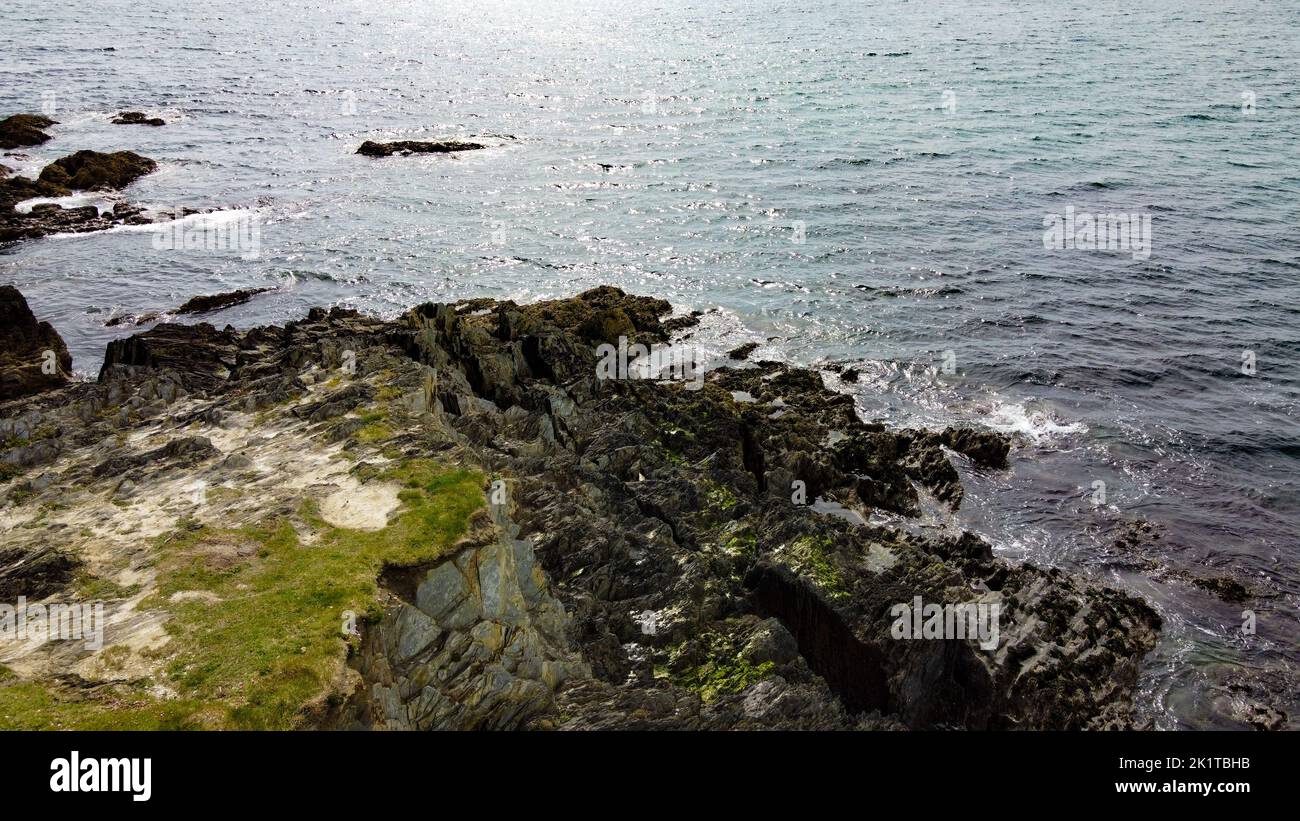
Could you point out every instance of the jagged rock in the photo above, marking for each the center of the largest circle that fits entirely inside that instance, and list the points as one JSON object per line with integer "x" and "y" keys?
{"x": 648, "y": 567}
{"x": 18, "y": 130}
{"x": 406, "y": 147}
{"x": 85, "y": 170}
{"x": 985, "y": 448}
{"x": 97, "y": 171}
{"x": 137, "y": 118}
{"x": 33, "y": 357}
{"x": 199, "y": 354}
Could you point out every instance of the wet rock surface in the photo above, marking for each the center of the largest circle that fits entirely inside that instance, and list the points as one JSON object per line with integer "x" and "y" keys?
{"x": 82, "y": 171}
{"x": 404, "y": 148}
{"x": 21, "y": 130}
{"x": 96, "y": 170}
{"x": 137, "y": 118}
{"x": 217, "y": 302}
{"x": 197, "y": 305}
{"x": 651, "y": 556}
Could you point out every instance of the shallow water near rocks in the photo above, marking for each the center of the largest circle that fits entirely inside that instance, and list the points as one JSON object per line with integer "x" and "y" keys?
{"x": 680, "y": 149}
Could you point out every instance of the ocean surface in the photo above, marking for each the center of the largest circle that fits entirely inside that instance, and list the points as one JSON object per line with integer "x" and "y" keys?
{"x": 852, "y": 182}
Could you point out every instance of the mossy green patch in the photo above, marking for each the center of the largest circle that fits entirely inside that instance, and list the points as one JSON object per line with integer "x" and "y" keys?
{"x": 374, "y": 430}
{"x": 711, "y": 665}
{"x": 722, "y": 676}
{"x": 811, "y": 556}
{"x": 263, "y": 645}
{"x": 719, "y": 499}
{"x": 97, "y": 588}
{"x": 26, "y": 705}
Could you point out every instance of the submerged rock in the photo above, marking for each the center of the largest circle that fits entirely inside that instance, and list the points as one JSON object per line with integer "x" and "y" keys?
{"x": 406, "y": 147}
{"x": 1228, "y": 590}
{"x": 33, "y": 357}
{"x": 137, "y": 118}
{"x": 20, "y": 130}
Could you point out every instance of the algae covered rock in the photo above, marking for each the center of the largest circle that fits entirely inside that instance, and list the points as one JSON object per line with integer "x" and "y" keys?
{"x": 20, "y": 130}
{"x": 97, "y": 171}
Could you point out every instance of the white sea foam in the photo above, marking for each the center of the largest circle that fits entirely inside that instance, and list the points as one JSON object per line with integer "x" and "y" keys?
{"x": 194, "y": 222}
{"x": 1037, "y": 425}
{"x": 78, "y": 200}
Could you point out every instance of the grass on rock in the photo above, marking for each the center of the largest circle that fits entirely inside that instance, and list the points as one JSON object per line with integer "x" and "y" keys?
{"x": 256, "y": 614}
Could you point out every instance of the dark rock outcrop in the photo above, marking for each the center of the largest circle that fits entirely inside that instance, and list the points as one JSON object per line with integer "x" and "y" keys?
{"x": 200, "y": 355}
{"x": 33, "y": 357}
{"x": 20, "y": 130}
{"x": 405, "y": 147}
{"x": 97, "y": 171}
{"x": 216, "y": 302}
{"x": 137, "y": 118}
{"x": 654, "y": 560}
{"x": 35, "y": 573}
{"x": 84, "y": 170}
{"x": 742, "y": 351}
{"x": 197, "y": 305}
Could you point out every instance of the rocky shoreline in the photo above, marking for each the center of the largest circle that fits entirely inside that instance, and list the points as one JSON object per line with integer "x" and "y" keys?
{"x": 447, "y": 520}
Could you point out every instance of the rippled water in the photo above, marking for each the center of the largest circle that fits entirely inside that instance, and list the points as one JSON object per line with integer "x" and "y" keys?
{"x": 683, "y": 148}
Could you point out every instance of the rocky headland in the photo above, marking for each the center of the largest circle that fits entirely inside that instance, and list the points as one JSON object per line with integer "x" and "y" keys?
{"x": 447, "y": 520}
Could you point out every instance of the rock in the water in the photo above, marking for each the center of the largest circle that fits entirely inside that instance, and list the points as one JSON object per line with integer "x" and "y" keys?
{"x": 24, "y": 129}
{"x": 33, "y": 357}
{"x": 97, "y": 171}
{"x": 1229, "y": 590}
{"x": 405, "y": 147}
{"x": 197, "y": 305}
{"x": 51, "y": 218}
{"x": 743, "y": 351}
{"x": 985, "y": 448}
{"x": 137, "y": 118}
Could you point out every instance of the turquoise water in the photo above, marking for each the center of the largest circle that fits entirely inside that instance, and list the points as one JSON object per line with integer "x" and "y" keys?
{"x": 862, "y": 183}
